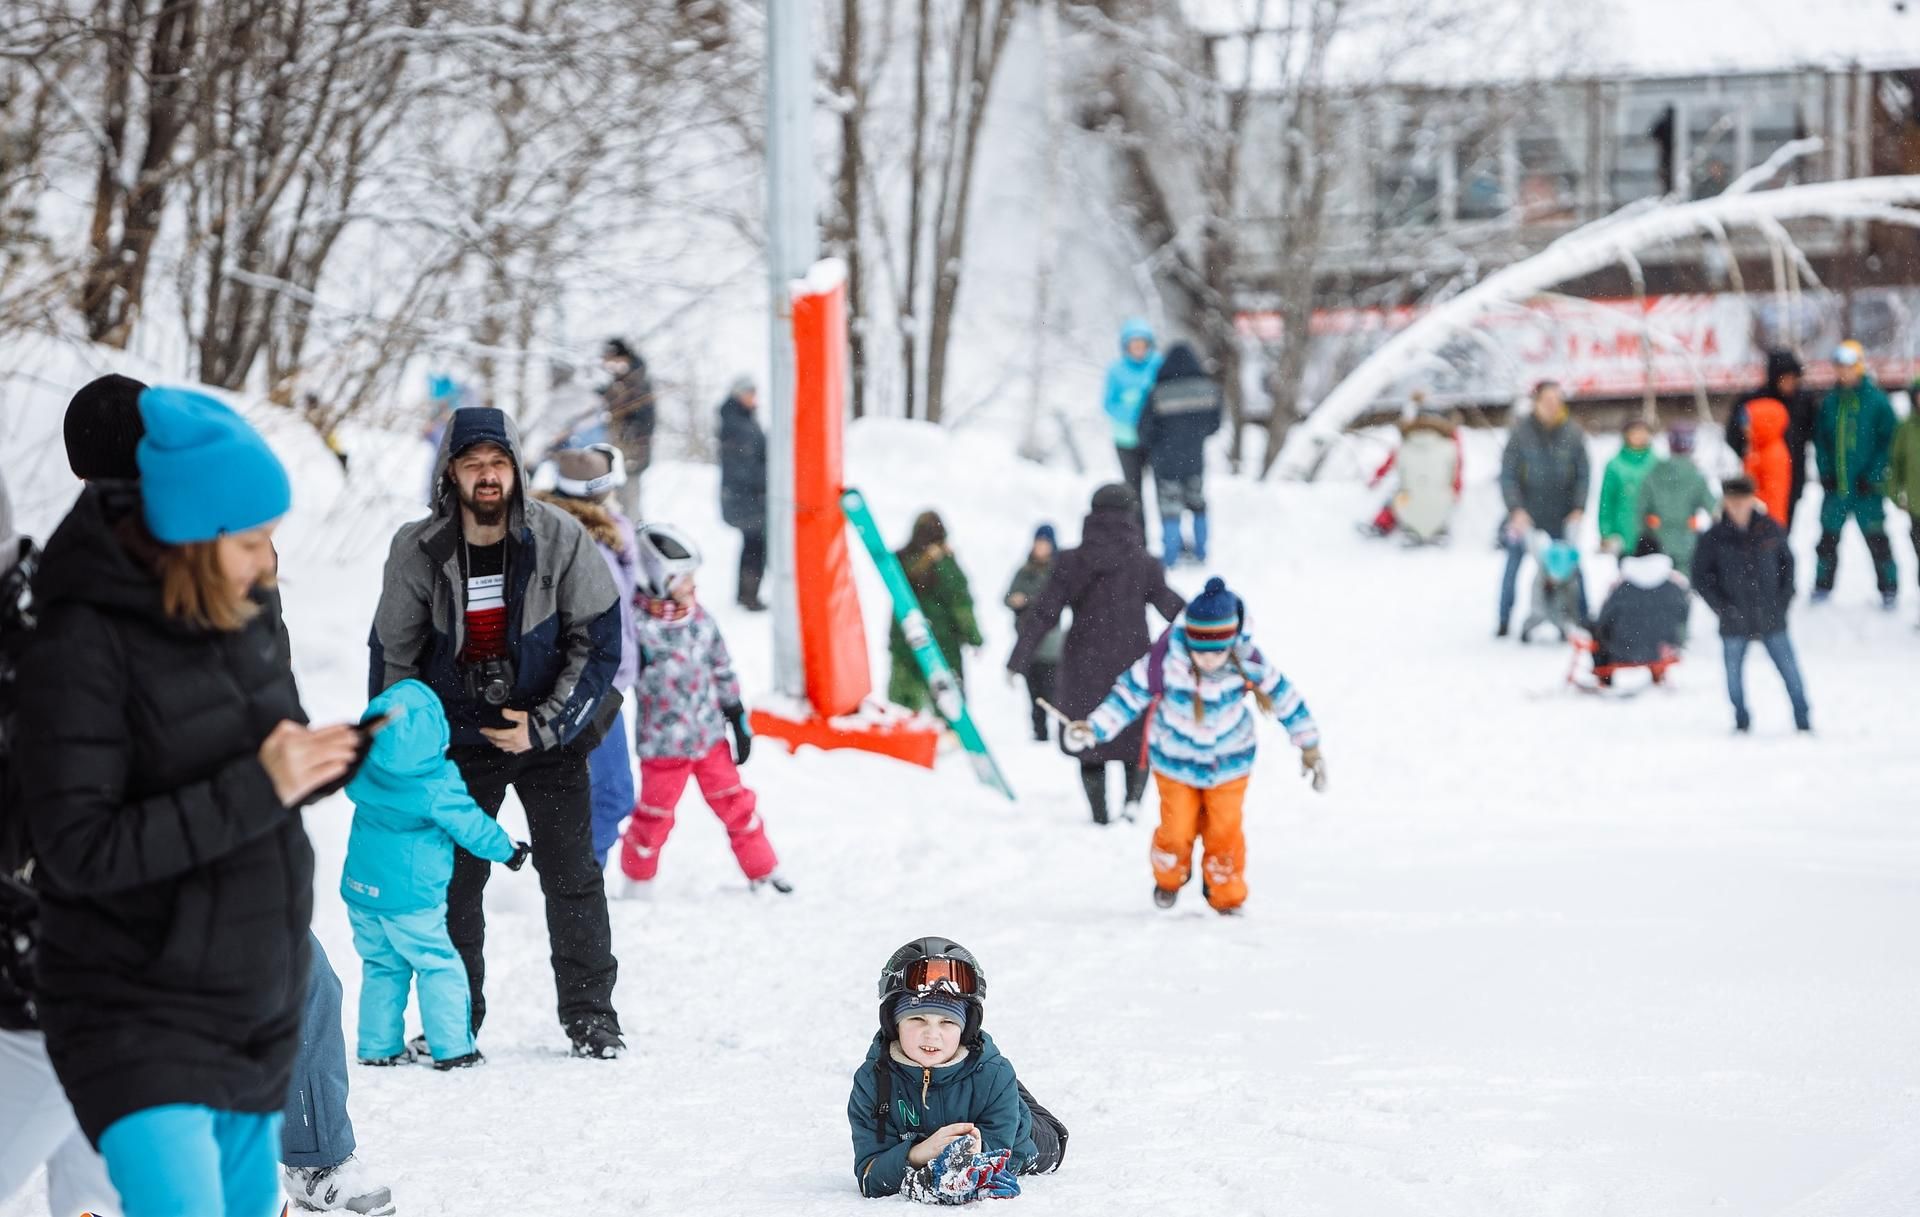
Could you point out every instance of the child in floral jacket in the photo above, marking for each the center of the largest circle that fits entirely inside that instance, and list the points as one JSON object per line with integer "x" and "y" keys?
{"x": 687, "y": 704}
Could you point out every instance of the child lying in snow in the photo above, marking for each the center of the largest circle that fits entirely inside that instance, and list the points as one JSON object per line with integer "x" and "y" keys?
{"x": 936, "y": 1111}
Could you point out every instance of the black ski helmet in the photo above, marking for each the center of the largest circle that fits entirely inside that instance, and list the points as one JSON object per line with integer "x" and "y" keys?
{"x": 893, "y": 982}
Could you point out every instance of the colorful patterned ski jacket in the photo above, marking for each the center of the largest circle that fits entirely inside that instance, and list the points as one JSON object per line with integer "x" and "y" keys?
{"x": 685, "y": 686}
{"x": 1201, "y": 732}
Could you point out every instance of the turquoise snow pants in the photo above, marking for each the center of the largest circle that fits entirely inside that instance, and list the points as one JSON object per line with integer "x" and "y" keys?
{"x": 184, "y": 1160}
{"x": 395, "y": 948}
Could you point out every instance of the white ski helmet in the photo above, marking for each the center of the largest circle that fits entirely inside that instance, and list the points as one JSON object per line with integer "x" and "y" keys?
{"x": 665, "y": 554}
{"x": 592, "y": 473}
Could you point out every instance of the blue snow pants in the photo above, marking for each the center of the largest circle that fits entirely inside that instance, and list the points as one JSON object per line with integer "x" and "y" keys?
{"x": 317, "y": 1132}
{"x": 396, "y": 948}
{"x": 185, "y": 1160}
{"x": 611, "y": 772}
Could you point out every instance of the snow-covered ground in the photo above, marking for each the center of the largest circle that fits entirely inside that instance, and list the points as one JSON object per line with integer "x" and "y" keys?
{"x": 1532, "y": 954}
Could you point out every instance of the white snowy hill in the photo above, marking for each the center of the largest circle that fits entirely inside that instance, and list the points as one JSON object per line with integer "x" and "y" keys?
{"x": 1531, "y": 955}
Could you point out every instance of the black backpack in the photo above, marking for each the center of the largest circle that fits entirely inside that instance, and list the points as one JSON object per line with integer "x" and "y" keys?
{"x": 19, "y": 908}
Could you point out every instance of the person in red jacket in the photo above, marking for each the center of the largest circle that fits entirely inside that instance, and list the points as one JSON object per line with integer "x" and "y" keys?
{"x": 1769, "y": 461}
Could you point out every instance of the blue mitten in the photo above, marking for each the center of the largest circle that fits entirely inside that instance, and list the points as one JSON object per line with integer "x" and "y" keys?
{"x": 959, "y": 1175}
{"x": 1000, "y": 1181}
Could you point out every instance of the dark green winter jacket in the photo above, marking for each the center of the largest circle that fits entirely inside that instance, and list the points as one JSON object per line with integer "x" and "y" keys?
{"x": 978, "y": 1089}
{"x": 1672, "y": 494}
{"x": 1853, "y": 437}
{"x": 1545, "y": 472}
{"x": 1028, "y": 582}
{"x": 1903, "y": 470}
{"x": 941, "y": 587}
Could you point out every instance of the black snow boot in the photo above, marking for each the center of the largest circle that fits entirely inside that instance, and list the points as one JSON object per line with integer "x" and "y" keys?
{"x": 461, "y": 1062}
{"x": 596, "y": 1040}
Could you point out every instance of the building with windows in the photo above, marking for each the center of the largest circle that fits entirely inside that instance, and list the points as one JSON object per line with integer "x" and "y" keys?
{"x": 1434, "y": 183}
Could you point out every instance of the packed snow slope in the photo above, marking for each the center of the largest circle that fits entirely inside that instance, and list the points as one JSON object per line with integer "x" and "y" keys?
{"x": 1532, "y": 954}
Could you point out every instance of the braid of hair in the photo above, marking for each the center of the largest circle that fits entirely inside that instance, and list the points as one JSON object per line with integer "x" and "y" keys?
{"x": 1260, "y": 695}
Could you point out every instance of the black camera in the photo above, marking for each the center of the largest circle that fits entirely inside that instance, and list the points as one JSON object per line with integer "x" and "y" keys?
{"x": 490, "y": 681}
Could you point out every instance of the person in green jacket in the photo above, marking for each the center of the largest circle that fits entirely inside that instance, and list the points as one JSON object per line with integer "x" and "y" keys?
{"x": 1903, "y": 467}
{"x": 1620, "y": 518}
{"x": 1852, "y": 444}
{"x": 1028, "y": 582}
{"x": 941, "y": 587}
{"x": 1673, "y": 495}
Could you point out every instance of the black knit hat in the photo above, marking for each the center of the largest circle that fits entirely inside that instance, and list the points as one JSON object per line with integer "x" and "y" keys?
{"x": 103, "y": 428}
{"x": 1781, "y": 363}
{"x": 617, "y": 348}
{"x": 1737, "y": 486}
{"x": 1115, "y": 496}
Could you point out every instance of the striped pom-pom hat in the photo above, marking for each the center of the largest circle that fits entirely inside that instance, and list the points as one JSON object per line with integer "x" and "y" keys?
{"x": 1212, "y": 618}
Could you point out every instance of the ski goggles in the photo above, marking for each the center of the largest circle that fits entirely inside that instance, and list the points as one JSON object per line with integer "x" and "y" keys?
{"x": 940, "y": 976}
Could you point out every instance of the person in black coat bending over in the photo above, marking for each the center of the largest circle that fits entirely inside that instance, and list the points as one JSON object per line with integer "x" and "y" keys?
{"x": 1109, "y": 580}
{"x": 163, "y": 759}
{"x": 1744, "y": 571}
{"x": 743, "y": 485}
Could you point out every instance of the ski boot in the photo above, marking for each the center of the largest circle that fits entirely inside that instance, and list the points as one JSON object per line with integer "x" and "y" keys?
{"x": 1163, "y": 897}
{"x": 776, "y": 881}
{"x": 342, "y": 1188}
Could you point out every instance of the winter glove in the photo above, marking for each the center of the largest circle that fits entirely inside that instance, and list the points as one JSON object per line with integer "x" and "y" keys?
{"x": 1312, "y": 762}
{"x": 521, "y": 851}
{"x": 742, "y": 734}
{"x": 363, "y": 746}
{"x": 959, "y": 1175}
{"x": 1077, "y": 736}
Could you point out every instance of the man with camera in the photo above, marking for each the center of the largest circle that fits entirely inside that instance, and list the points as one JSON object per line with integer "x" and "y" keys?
{"x": 501, "y": 605}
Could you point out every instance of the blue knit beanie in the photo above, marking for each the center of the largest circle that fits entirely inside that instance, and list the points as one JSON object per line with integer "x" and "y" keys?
{"x": 204, "y": 473}
{"x": 942, "y": 1004}
{"x": 1212, "y": 618}
{"x": 1045, "y": 533}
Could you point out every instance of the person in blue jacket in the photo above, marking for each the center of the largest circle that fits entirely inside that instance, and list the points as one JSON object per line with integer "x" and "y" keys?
{"x": 410, "y": 809}
{"x": 1129, "y": 380}
{"x": 936, "y": 1111}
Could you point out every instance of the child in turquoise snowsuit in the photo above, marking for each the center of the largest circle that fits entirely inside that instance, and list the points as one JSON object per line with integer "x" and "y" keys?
{"x": 410, "y": 809}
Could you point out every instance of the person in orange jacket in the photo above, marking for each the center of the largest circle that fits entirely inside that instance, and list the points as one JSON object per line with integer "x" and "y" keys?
{"x": 1769, "y": 462}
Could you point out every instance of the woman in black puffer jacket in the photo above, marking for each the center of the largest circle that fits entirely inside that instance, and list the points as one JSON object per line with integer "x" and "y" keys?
{"x": 161, "y": 761}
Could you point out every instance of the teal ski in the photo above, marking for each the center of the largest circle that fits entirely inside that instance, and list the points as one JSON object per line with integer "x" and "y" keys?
{"x": 947, "y": 697}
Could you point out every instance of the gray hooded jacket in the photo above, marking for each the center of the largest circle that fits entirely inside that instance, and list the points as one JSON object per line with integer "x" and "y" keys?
{"x": 563, "y": 631}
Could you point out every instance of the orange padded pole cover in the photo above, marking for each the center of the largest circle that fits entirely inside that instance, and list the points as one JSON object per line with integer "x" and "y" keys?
{"x": 833, "y": 638}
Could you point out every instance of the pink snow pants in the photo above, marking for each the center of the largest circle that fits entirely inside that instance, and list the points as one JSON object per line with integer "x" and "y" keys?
{"x": 661, "y": 783}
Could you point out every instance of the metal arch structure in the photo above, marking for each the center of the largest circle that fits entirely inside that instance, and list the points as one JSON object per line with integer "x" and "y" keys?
{"x": 1879, "y": 200}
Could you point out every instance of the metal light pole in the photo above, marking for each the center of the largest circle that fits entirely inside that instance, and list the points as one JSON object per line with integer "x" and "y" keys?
{"x": 793, "y": 243}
